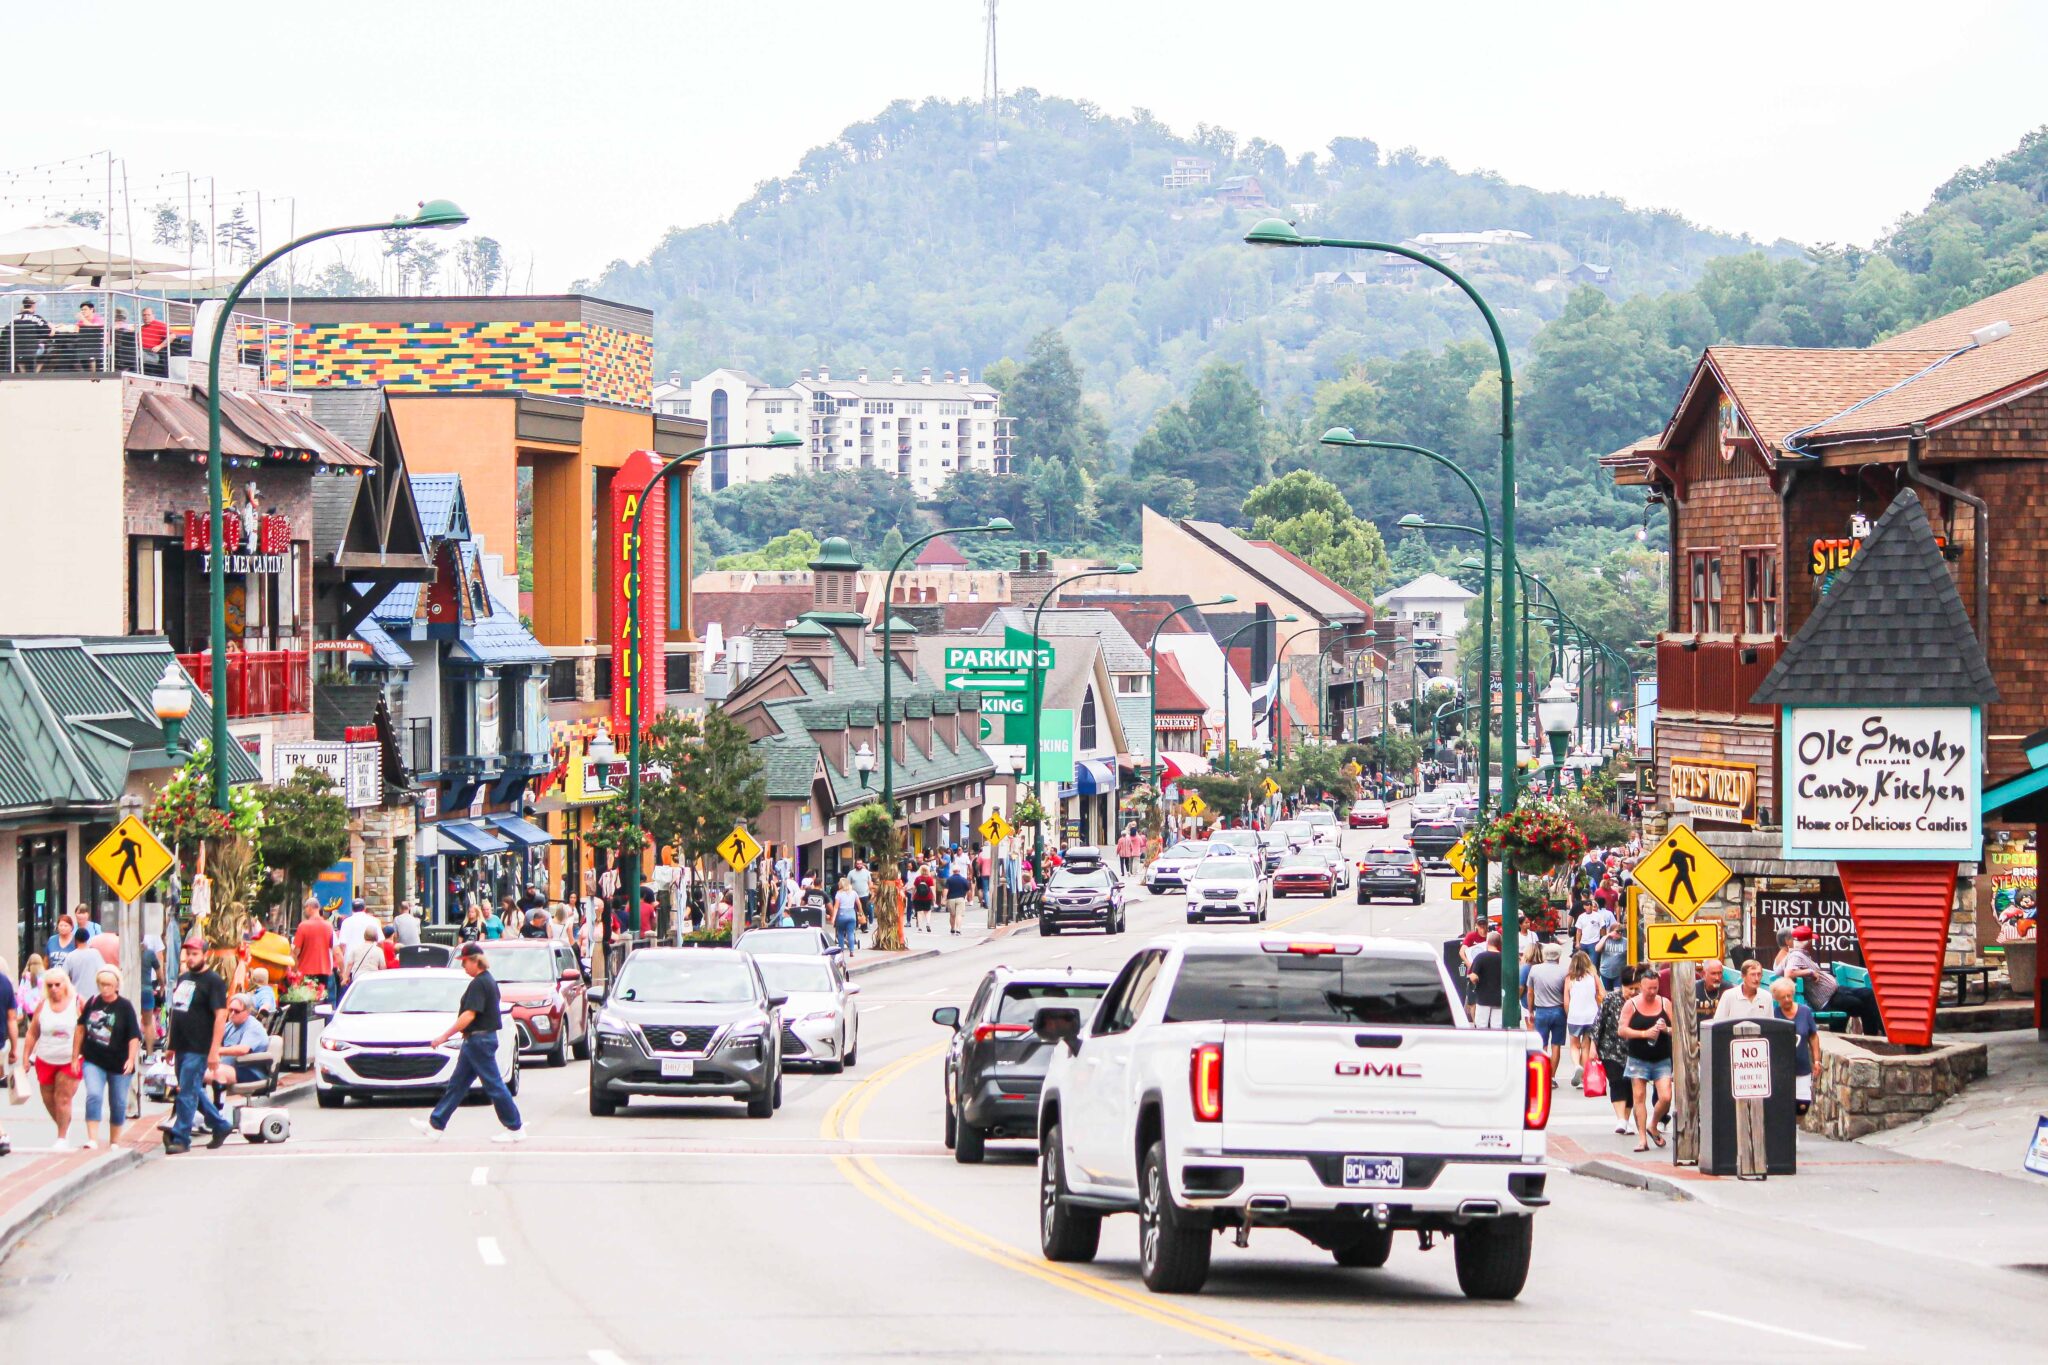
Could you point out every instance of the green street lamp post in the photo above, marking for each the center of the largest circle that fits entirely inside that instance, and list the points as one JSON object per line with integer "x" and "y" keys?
{"x": 433, "y": 214}
{"x": 1275, "y": 232}
{"x": 636, "y": 646}
{"x": 1152, "y": 708}
{"x": 994, "y": 526}
{"x": 1038, "y": 701}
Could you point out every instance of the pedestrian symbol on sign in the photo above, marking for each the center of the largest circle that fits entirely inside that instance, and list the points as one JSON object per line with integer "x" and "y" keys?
{"x": 130, "y": 859}
{"x": 1681, "y": 872}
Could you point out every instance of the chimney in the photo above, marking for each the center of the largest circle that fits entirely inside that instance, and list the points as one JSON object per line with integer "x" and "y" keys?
{"x": 863, "y": 379}
{"x": 804, "y": 374}
{"x": 895, "y": 377}
{"x": 925, "y": 377}
{"x": 964, "y": 380}
{"x": 824, "y": 377}
{"x": 1032, "y": 581}
{"x": 949, "y": 379}
{"x": 675, "y": 377}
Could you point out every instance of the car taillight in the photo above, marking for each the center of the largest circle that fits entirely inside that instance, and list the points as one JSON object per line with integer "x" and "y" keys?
{"x": 1310, "y": 949}
{"x": 984, "y": 1032}
{"x": 1536, "y": 1101}
{"x": 1415, "y": 867}
{"x": 1205, "y": 1082}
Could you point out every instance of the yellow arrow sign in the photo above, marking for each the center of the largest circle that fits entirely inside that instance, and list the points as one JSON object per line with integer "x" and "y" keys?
{"x": 995, "y": 829}
{"x": 1463, "y": 890}
{"x": 130, "y": 859}
{"x": 739, "y": 848}
{"x": 1272, "y": 788}
{"x": 1681, "y": 872}
{"x": 1699, "y": 942}
{"x": 1192, "y": 804}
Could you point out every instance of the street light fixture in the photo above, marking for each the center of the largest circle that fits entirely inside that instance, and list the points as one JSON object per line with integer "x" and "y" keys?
{"x": 433, "y": 214}
{"x": 171, "y": 699}
{"x": 636, "y": 645}
{"x": 1275, "y": 232}
{"x": 1557, "y": 711}
{"x": 599, "y": 747}
{"x": 995, "y": 526}
{"x": 1038, "y": 701}
{"x": 864, "y": 763}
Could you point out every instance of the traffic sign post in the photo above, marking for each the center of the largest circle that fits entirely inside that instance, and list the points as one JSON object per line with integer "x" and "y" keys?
{"x": 130, "y": 859}
{"x": 1681, "y": 872}
{"x": 1699, "y": 942}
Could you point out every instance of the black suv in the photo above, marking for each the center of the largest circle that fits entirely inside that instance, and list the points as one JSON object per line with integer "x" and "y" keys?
{"x": 995, "y": 1065}
{"x": 688, "y": 1023}
{"x": 1085, "y": 898}
{"x": 1433, "y": 840}
{"x": 1386, "y": 873}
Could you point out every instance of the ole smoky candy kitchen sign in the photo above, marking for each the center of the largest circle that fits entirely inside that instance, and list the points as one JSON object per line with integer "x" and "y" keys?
{"x": 1883, "y": 783}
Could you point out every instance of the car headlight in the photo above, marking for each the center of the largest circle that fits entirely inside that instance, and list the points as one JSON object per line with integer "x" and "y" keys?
{"x": 746, "y": 1033}
{"x": 335, "y": 1044}
{"x": 816, "y": 1015}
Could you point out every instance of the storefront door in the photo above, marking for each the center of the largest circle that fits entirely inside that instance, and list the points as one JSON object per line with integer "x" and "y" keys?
{"x": 39, "y": 889}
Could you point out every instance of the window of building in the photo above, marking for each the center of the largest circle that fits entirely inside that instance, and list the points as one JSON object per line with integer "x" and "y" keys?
{"x": 945, "y": 426}
{"x": 1760, "y": 591}
{"x": 1704, "y": 583}
{"x": 1087, "y": 739}
{"x": 985, "y": 404}
{"x": 1133, "y": 684}
{"x": 981, "y": 445}
{"x": 876, "y": 407}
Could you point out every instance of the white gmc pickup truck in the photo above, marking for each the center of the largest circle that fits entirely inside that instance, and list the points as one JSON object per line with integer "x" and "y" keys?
{"x": 1226, "y": 1082}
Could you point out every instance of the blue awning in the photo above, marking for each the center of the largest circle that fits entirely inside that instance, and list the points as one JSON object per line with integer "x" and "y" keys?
{"x": 468, "y": 838}
{"x": 1092, "y": 777}
{"x": 520, "y": 831}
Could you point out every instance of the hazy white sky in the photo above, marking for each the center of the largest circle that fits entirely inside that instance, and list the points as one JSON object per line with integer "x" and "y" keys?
{"x": 575, "y": 133}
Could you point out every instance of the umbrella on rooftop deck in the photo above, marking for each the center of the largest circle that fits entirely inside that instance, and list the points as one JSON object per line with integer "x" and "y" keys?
{"x": 54, "y": 253}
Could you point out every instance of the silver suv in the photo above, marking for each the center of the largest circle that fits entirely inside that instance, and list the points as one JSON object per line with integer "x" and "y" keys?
{"x": 686, "y": 1023}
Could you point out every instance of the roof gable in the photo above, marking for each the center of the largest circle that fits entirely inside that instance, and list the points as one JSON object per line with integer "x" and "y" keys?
{"x": 1431, "y": 587}
{"x": 1891, "y": 631}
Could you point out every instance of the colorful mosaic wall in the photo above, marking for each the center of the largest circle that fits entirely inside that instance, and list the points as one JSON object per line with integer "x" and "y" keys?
{"x": 562, "y": 359}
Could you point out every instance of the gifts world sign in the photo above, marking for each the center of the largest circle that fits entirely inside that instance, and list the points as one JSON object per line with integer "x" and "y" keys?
{"x": 1899, "y": 783}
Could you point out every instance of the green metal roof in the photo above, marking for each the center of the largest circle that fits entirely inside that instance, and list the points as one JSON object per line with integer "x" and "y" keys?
{"x": 70, "y": 681}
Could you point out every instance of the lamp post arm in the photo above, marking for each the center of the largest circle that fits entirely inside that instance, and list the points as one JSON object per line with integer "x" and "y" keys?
{"x": 889, "y": 672}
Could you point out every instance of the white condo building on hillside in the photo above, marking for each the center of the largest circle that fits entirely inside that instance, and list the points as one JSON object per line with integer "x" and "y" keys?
{"x": 1436, "y": 605}
{"x": 923, "y": 429}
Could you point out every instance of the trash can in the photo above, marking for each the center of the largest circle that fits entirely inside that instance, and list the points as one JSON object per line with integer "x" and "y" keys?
{"x": 297, "y": 1035}
{"x": 1738, "y": 1064}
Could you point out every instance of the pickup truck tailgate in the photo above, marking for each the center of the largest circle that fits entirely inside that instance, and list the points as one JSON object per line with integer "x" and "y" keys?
{"x": 1360, "y": 1088}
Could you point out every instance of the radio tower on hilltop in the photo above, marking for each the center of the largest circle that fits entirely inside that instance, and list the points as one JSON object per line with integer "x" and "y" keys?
{"x": 991, "y": 87}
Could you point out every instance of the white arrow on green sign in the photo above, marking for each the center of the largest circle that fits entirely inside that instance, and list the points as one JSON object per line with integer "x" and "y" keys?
{"x": 988, "y": 682}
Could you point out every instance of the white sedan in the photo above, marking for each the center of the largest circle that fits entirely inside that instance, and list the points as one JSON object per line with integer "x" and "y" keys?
{"x": 1227, "y": 886}
{"x": 379, "y": 1040}
{"x": 820, "y": 1022}
{"x": 1171, "y": 868}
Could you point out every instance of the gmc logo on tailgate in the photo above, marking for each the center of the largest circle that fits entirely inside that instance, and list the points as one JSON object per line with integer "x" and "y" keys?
{"x": 1407, "y": 1071}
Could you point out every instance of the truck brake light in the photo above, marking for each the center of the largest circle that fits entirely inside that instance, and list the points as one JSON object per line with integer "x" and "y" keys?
{"x": 1317, "y": 949}
{"x": 1205, "y": 1082}
{"x": 1536, "y": 1099}
{"x": 984, "y": 1032}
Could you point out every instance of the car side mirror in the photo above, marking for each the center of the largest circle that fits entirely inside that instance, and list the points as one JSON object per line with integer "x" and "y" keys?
{"x": 777, "y": 1001}
{"x": 1057, "y": 1024}
{"x": 596, "y": 995}
{"x": 947, "y": 1016}
{"x": 572, "y": 976}
{"x": 852, "y": 988}
{"x": 324, "y": 1011}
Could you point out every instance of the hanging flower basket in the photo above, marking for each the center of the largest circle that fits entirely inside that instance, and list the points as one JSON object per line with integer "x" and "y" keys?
{"x": 1536, "y": 837}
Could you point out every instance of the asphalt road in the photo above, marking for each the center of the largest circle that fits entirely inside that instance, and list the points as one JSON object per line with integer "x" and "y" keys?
{"x": 842, "y": 1230}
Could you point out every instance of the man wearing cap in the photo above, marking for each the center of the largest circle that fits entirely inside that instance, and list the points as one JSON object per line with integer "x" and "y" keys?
{"x": 1824, "y": 993}
{"x": 478, "y": 1019}
{"x": 199, "y": 1002}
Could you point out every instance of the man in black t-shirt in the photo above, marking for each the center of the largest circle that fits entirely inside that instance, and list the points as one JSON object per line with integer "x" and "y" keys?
{"x": 478, "y": 1019}
{"x": 199, "y": 1014}
{"x": 1485, "y": 977}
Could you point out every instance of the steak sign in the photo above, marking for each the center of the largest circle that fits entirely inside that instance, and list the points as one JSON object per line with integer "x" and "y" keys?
{"x": 1898, "y": 783}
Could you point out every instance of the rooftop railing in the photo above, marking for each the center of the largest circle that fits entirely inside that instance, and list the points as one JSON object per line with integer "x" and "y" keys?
{"x": 113, "y": 331}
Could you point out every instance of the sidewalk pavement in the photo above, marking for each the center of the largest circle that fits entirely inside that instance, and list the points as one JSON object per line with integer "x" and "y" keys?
{"x": 1862, "y": 1191}
{"x": 1991, "y": 1123}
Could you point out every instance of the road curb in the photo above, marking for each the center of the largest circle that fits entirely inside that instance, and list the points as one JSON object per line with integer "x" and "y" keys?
{"x": 52, "y": 1199}
{"x": 1618, "y": 1174}
{"x": 883, "y": 964}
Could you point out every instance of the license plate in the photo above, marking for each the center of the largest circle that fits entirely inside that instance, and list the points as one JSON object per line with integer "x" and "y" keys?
{"x": 1372, "y": 1172}
{"x": 687, "y": 1069}
{"x": 1389, "y": 876}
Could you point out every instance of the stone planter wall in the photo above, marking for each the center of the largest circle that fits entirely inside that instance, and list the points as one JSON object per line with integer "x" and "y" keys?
{"x": 1863, "y": 1085}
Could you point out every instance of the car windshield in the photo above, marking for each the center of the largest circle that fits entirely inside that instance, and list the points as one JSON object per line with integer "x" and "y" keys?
{"x": 1023, "y": 999}
{"x": 1372, "y": 807}
{"x": 792, "y": 942}
{"x": 1294, "y": 988}
{"x": 1291, "y": 829}
{"x": 381, "y": 994}
{"x": 1313, "y": 861}
{"x": 807, "y": 975}
{"x": 1224, "y": 870}
{"x": 1389, "y": 855}
{"x": 1318, "y": 817}
{"x": 685, "y": 980}
{"x": 1186, "y": 850}
{"x": 523, "y": 964}
{"x": 1073, "y": 879}
{"x": 1437, "y": 827}
{"x": 1236, "y": 838}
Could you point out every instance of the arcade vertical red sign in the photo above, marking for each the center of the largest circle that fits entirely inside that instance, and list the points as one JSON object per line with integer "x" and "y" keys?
{"x": 640, "y": 568}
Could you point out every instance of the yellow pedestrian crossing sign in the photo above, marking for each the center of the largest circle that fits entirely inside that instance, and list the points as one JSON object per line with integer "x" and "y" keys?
{"x": 1681, "y": 873}
{"x": 1272, "y": 788}
{"x": 130, "y": 859}
{"x": 1192, "y": 804}
{"x": 739, "y": 849}
{"x": 995, "y": 829}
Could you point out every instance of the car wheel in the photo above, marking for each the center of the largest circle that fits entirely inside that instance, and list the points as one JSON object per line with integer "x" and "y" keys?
{"x": 602, "y": 1105}
{"x": 1366, "y": 1249}
{"x": 952, "y": 1125}
{"x": 1364, "y": 899}
{"x": 778, "y": 1090}
{"x": 1048, "y": 928}
{"x": 761, "y": 1106}
{"x": 1419, "y": 897}
{"x": 512, "y": 1086}
{"x": 558, "y": 1055}
{"x": 330, "y": 1099}
{"x": 1065, "y": 1233}
{"x": 853, "y": 1048}
{"x": 969, "y": 1143}
{"x": 1173, "y": 1253}
{"x": 1493, "y": 1257}
{"x": 581, "y": 1049}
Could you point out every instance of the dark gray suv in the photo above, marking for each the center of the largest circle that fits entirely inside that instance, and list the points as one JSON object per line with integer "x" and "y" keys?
{"x": 687, "y": 1023}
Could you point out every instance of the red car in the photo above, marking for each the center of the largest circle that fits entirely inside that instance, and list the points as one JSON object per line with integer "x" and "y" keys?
{"x": 1368, "y": 815}
{"x": 1304, "y": 872}
{"x": 543, "y": 989}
